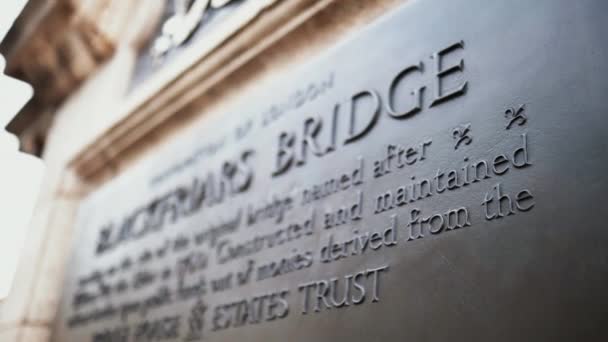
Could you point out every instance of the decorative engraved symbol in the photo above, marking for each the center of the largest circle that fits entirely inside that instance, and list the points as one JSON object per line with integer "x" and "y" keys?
{"x": 196, "y": 321}
{"x": 516, "y": 116}
{"x": 462, "y": 135}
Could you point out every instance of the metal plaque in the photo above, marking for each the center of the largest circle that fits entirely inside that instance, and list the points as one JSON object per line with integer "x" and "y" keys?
{"x": 439, "y": 176}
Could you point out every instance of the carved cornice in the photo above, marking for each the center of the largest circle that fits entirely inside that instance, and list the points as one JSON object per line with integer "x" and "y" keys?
{"x": 167, "y": 99}
{"x": 56, "y": 44}
{"x": 244, "y": 36}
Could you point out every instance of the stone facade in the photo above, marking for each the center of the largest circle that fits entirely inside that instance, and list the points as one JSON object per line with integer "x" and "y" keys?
{"x": 93, "y": 124}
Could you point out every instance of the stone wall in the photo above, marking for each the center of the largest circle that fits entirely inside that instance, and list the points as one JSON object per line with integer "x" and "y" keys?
{"x": 102, "y": 128}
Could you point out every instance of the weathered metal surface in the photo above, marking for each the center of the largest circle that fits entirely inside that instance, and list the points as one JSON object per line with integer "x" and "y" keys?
{"x": 439, "y": 176}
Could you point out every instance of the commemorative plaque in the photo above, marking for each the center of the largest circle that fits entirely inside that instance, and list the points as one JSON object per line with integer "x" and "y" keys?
{"x": 437, "y": 176}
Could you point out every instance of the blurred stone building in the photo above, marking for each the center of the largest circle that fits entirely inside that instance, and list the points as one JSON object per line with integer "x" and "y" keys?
{"x": 115, "y": 79}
